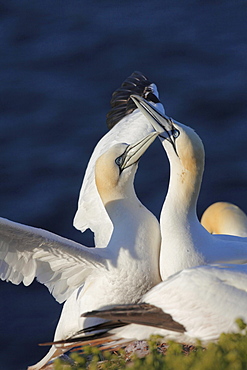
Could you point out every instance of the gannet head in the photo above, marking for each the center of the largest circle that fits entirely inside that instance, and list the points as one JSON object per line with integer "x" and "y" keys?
{"x": 225, "y": 218}
{"x": 183, "y": 146}
{"x": 115, "y": 169}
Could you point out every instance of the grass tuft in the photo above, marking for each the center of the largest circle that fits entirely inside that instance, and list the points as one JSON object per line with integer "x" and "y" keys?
{"x": 229, "y": 353}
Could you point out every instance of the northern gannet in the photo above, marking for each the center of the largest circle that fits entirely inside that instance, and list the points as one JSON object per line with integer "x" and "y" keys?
{"x": 225, "y": 218}
{"x": 185, "y": 242}
{"x": 88, "y": 278}
{"x": 131, "y": 126}
{"x": 196, "y": 303}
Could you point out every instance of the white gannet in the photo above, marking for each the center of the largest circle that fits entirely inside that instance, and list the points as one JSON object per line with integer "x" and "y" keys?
{"x": 225, "y": 218}
{"x": 131, "y": 126}
{"x": 196, "y": 303}
{"x": 88, "y": 278}
{"x": 185, "y": 242}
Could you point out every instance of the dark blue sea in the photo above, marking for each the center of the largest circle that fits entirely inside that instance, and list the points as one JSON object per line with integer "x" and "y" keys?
{"x": 60, "y": 62}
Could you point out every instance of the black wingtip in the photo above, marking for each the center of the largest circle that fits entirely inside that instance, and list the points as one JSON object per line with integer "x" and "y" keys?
{"x": 140, "y": 313}
{"x": 122, "y": 104}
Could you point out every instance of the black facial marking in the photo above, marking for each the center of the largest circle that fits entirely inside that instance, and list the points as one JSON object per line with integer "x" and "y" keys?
{"x": 173, "y": 135}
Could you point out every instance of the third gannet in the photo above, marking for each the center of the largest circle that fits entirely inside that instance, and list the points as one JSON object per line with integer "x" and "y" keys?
{"x": 225, "y": 218}
{"x": 131, "y": 126}
{"x": 185, "y": 242}
{"x": 88, "y": 278}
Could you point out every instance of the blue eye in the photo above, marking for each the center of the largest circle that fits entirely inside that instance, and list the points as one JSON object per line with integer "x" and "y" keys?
{"x": 119, "y": 161}
{"x": 175, "y": 133}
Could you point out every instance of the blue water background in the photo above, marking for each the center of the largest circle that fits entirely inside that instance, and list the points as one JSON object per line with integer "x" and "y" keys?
{"x": 60, "y": 62}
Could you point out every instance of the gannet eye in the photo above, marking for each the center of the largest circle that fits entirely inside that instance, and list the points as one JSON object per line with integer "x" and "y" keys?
{"x": 119, "y": 161}
{"x": 175, "y": 133}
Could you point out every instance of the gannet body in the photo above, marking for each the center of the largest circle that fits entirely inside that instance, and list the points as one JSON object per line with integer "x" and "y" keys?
{"x": 88, "y": 278}
{"x": 131, "y": 126}
{"x": 196, "y": 303}
{"x": 185, "y": 242}
{"x": 225, "y": 218}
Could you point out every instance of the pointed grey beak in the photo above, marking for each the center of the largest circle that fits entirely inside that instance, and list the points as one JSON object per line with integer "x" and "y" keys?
{"x": 134, "y": 152}
{"x": 159, "y": 122}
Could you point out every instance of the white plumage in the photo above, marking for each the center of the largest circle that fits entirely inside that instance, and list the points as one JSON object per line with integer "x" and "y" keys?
{"x": 197, "y": 302}
{"x": 59, "y": 263}
{"x": 205, "y": 301}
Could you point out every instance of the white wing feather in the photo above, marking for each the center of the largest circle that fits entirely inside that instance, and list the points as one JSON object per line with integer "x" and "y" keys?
{"x": 59, "y": 263}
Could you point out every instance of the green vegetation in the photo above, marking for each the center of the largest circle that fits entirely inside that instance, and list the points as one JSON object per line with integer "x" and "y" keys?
{"x": 229, "y": 353}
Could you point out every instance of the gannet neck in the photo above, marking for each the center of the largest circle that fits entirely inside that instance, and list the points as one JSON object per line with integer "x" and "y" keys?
{"x": 186, "y": 170}
{"x": 120, "y": 205}
{"x": 180, "y": 227}
{"x": 131, "y": 220}
{"x": 127, "y": 217}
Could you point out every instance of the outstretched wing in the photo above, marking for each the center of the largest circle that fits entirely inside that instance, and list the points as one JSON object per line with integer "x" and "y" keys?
{"x": 59, "y": 263}
{"x": 130, "y": 125}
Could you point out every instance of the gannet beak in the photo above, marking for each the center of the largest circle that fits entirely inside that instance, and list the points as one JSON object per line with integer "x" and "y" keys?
{"x": 134, "y": 151}
{"x": 161, "y": 123}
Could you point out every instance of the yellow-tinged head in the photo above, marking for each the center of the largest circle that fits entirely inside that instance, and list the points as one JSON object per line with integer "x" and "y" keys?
{"x": 115, "y": 169}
